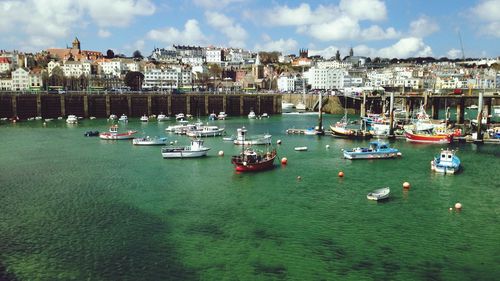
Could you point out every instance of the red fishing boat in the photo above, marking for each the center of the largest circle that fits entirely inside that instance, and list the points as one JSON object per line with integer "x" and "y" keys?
{"x": 113, "y": 134}
{"x": 250, "y": 160}
{"x": 428, "y": 138}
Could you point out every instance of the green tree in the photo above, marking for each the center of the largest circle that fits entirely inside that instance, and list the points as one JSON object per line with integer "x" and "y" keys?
{"x": 110, "y": 54}
{"x": 134, "y": 79}
{"x": 137, "y": 55}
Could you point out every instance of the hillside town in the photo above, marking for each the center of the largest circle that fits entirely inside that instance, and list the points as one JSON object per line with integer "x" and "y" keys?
{"x": 180, "y": 68}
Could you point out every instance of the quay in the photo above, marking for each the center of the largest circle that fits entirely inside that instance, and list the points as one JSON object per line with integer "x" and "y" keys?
{"x": 24, "y": 106}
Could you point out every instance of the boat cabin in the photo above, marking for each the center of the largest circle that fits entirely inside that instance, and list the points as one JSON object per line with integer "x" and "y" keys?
{"x": 446, "y": 156}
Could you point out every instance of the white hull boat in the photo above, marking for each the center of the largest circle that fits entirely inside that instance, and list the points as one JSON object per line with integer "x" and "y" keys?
{"x": 162, "y": 117}
{"x": 149, "y": 141}
{"x": 301, "y": 148}
{"x": 286, "y": 107}
{"x": 196, "y": 149}
{"x": 206, "y": 131}
{"x": 72, "y": 119}
{"x": 379, "y": 194}
{"x": 252, "y": 115}
{"x": 242, "y": 139}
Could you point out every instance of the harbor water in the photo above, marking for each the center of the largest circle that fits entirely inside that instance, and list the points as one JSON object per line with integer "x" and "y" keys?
{"x": 81, "y": 208}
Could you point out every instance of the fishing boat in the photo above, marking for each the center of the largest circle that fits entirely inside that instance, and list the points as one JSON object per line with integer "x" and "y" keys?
{"x": 72, "y": 119}
{"x": 344, "y": 132}
{"x": 242, "y": 139}
{"x": 195, "y": 149}
{"x": 376, "y": 150}
{"x": 446, "y": 162}
{"x": 180, "y": 116}
{"x": 112, "y": 117}
{"x": 113, "y": 134}
{"x": 251, "y": 115}
{"x": 250, "y": 160}
{"x": 162, "y": 117}
{"x": 205, "y": 131}
{"x": 123, "y": 118}
{"x": 147, "y": 140}
{"x": 222, "y": 115}
{"x": 379, "y": 194}
{"x": 144, "y": 118}
{"x": 422, "y": 137}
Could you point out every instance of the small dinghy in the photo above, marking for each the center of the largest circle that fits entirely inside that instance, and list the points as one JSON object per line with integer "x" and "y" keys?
{"x": 301, "y": 148}
{"x": 379, "y": 194}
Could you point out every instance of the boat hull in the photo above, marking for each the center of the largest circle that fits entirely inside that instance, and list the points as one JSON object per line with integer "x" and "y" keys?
{"x": 420, "y": 138}
{"x": 371, "y": 155}
{"x": 160, "y": 141}
{"x": 350, "y": 134}
{"x": 254, "y": 167}
{"x": 182, "y": 153}
{"x": 116, "y": 136}
{"x": 379, "y": 194}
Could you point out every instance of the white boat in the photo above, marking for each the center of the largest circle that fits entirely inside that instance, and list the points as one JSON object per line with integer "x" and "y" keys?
{"x": 162, "y": 117}
{"x": 379, "y": 194}
{"x": 72, "y": 119}
{"x": 205, "y": 131}
{"x": 144, "y": 118}
{"x": 473, "y": 107}
{"x": 301, "y": 106}
{"x": 264, "y": 115}
{"x": 123, "y": 118}
{"x": 196, "y": 149}
{"x": 301, "y": 148}
{"x": 251, "y": 115}
{"x": 180, "y": 116}
{"x": 150, "y": 141}
{"x": 286, "y": 107}
{"x": 114, "y": 135}
{"x": 212, "y": 116}
{"x": 230, "y": 138}
{"x": 222, "y": 115}
{"x": 446, "y": 162}
{"x": 113, "y": 117}
{"x": 242, "y": 139}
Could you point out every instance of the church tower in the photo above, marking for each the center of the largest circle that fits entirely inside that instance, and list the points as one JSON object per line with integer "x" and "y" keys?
{"x": 76, "y": 44}
{"x": 351, "y": 52}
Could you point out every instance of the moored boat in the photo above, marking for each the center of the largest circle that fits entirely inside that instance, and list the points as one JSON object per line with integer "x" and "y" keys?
{"x": 379, "y": 194}
{"x": 195, "y": 149}
{"x": 212, "y": 116}
{"x": 123, "y": 118}
{"x": 162, "y": 117}
{"x": 251, "y": 115}
{"x": 72, "y": 119}
{"x": 344, "y": 132}
{"x": 180, "y": 116}
{"x": 286, "y": 107}
{"x": 150, "y": 141}
{"x": 144, "y": 118}
{"x": 250, "y": 160}
{"x": 91, "y": 133}
{"x": 446, "y": 162}
{"x": 300, "y": 148}
{"x": 242, "y": 139}
{"x": 205, "y": 131}
{"x": 428, "y": 138}
{"x": 222, "y": 115}
{"x": 113, "y": 117}
{"x": 376, "y": 150}
{"x": 113, "y": 134}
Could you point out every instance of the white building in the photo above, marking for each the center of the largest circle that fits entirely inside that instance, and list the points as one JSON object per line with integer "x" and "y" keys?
{"x": 214, "y": 55}
{"x": 132, "y": 66}
{"x": 333, "y": 64}
{"x": 286, "y": 83}
{"x": 326, "y": 78}
{"x": 4, "y": 65}
{"x": 112, "y": 68}
{"x": 20, "y": 79}
{"x": 192, "y": 60}
{"x": 53, "y": 64}
{"x": 35, "y": 80}
{"x": 5, "y": 84}
{"x": 76, "y": 68}
{"x": 164, "y": 79}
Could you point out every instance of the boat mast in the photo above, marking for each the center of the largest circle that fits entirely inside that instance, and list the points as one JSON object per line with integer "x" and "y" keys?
{"x": 320, "y": 116}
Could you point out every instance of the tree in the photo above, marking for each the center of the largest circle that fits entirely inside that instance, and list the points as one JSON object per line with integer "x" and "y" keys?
{"x": 214, "y": 70}
{"x": 269, "y": 57}
{"x": 110, "y": 54}
{"x": 137, "y": 55}
{"x": 134, "y": 79}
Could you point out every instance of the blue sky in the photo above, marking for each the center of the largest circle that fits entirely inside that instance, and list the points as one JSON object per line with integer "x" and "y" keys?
{"x": 390, "y": 28}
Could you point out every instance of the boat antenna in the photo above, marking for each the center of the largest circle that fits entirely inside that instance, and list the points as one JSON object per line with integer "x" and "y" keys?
{"x": 461, "y": 45}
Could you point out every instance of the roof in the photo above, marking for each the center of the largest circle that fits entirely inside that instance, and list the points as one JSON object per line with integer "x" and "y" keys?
{"x": 4, "y": 60}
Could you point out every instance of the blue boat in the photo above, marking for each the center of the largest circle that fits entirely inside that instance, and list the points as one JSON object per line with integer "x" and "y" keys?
{"x": 376, "y": 150}
{"x": 446, "y": 162}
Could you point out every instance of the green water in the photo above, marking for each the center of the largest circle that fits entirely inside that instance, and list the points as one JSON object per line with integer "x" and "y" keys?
{"x": 76, "y": 208}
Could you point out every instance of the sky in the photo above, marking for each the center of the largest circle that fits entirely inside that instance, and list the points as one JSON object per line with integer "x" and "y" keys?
{"x": 373, "y": 28}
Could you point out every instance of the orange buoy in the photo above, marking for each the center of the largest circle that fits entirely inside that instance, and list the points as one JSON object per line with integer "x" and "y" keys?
{"x": 458, "y": 206}
{"x": 406, "y": 185}
{"x": 284, "y": 161}
{"x": 341, "y": 174}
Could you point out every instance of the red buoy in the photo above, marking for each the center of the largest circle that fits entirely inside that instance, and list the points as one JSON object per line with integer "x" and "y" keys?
{"x": 341, "y": 174}
{"x": 284, "y": 161}
{"x": 406, "y": 185}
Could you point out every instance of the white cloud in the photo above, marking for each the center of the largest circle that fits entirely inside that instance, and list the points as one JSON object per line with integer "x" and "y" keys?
{"x": 423, "y": 26}
{"x": 32, "y": 20}
{"x": 454, "y": 53}
{"x": 118, "y": 12}
{"x": 236, "y": 34}
{"x": 488, "y": 12}
{"x": 191, "y": 34}
{"x": 326, "y": 53}
{"x": 103, "y": 33}
{"x": 327, "y": 23}
{"x": 302, "y": 15}
{"x": 364, "y": 9}
{"x": 284, "y": 46}
{"x": 215, "y": 3}
{"x": 406, "y": 47}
